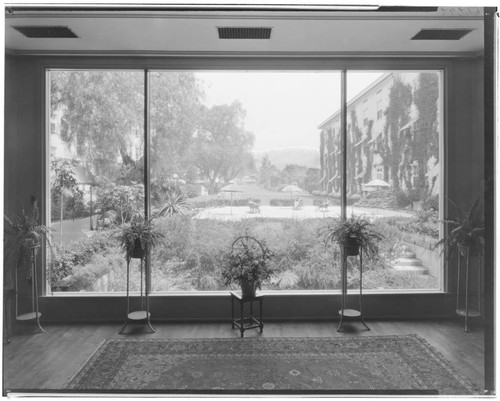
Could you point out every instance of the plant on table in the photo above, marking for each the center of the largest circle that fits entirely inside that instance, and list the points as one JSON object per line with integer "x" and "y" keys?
{"x": 248, "y": 264}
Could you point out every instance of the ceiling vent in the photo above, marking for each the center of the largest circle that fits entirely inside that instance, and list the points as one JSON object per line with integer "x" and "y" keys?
{"x": 244, "y": 33}
{"x": 441, "y": 34}
{"x": 46, "y": 31}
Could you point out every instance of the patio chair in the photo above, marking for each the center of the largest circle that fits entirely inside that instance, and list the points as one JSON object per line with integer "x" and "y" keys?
{"x": 254, "y": 207}
{"x": 323, "y": 207}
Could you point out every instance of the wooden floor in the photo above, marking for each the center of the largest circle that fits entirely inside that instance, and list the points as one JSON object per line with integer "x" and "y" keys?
{"x": 48, "y": 361}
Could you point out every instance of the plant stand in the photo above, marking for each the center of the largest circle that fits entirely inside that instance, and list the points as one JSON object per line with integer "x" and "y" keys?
{"x": 248, "y": 322}
{"x": 463, "y": 307}
{"x": 143, "y": 315}
{"x": 344, "y": 312}
{"x": 34, "y": 314}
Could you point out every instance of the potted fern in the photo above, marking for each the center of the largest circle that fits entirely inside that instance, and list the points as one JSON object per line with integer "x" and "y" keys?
{"x": 22, "y": 233}
{"x": 466, "y": 231}
{"x": 248, "y": 264}
{"x": 352, "y": 234}
{"x": 138, "y": 237}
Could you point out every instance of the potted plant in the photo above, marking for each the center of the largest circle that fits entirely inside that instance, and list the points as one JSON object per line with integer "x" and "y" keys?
{"x": 138, "y": 237}
{"x": 22, "y": 233}
{"x": 248, "y": 264}
{"x": 352, "y": 234}
{"x": 466, "y": 231}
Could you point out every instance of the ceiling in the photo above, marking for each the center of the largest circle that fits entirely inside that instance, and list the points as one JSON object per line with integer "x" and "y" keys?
{"x": 163, "y": 31}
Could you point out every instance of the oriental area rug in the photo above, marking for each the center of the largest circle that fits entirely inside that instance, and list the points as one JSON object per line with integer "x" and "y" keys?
{"x": 350, "y": 365}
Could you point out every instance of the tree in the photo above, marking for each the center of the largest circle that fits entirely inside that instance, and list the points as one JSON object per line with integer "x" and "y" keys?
{"x": 102, "y": 116}
{"x": 222, "y": 147}
{"x": 294, "y": 174}
{"x": 266, "y": 171}
{"x": 63, "y": 182}
{"x": 312, "y": 179}
{"x": 102, "y": 112}
{"x": 175, "y": 114}
{"x": 118, "y": 204}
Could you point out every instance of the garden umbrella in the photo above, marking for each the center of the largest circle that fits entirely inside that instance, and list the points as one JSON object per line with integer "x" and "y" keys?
{"x": 291, "y": 189}
{"x": 231, "y": 188}
{"x": 377, "y": 184}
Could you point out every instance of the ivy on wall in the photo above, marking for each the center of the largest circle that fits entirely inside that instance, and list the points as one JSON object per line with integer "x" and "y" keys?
{"x": 397, "y": 116}
{"x": 426, "y": 135}
{"x": 405, "y": 152}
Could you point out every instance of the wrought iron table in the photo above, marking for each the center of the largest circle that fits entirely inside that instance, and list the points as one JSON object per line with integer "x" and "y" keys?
{"x": 246, "y": 322}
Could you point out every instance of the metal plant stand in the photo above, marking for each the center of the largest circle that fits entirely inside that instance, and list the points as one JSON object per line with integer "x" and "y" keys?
{"x": 344, "y": 312}
{"x": 34, "y": 314}
{"x": 463, "y": 307}
{"x": 142, "y": 315}
{"x": 249, "y": 322}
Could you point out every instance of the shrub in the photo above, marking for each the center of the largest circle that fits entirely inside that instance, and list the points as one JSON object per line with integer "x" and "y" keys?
{"x": 392, "y": 279}
{"x": 281, "y": 202}
{"x": 217, "y": 202}
{"x": 84, "y": 278}
{"x": 423, "y": 223}
{"x": 192, "y": 190}
{"x": 321, "y": 269}
{"x": 78, "y": 253}
{"x": 172, "y": 201}
{"x": 403, "y": 199}
{"x": 383, "y": 199}
{"x": 193, "y": 253}
{"x": 431, "y": 203}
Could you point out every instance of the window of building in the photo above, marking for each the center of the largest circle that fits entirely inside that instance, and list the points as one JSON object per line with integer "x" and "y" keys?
{"x": 380, "y": 111}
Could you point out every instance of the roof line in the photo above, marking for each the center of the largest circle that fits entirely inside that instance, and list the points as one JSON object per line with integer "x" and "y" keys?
{"x": 358, "y": 96}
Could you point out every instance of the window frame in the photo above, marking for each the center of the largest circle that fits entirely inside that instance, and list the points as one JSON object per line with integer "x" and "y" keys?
{"x": 255, "y": 64}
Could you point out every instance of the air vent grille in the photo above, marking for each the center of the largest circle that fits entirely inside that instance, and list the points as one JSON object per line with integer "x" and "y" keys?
{"x": 244, "y": 33}
{"x": 46, "y": 31}
{"x": 441, "y": 34}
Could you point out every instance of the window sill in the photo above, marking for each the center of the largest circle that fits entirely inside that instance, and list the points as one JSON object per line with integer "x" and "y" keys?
{"x": 272, "y": 293}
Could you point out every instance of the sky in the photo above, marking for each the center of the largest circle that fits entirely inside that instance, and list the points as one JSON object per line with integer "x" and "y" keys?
{"x": 283, "y": 109}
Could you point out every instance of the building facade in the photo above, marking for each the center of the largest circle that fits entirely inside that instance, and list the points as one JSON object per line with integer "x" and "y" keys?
{"x": 392, "y": 136}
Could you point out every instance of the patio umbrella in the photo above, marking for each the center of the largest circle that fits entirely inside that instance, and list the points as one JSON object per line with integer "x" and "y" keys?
{"x": 377, "y": 184}
{"x": 231, "y": 189}
{"x": 291, "y": 188}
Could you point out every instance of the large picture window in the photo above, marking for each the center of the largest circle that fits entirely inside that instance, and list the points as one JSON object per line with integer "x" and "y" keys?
{"x": 236, "y": 152}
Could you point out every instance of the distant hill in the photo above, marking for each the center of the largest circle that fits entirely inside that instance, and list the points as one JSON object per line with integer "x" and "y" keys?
{"x": 308, "y": 157}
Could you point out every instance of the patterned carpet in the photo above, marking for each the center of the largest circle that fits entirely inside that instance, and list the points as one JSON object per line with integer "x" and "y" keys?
{"x": 383, "y": 364}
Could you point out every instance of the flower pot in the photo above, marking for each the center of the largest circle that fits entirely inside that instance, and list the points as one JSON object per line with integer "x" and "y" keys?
{"x": 350, "y": 246}
{"x": 248, "y": 288}
{"x": 32, "y": 239}
{"x": 138, "y": 252}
